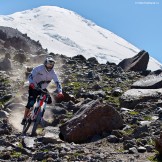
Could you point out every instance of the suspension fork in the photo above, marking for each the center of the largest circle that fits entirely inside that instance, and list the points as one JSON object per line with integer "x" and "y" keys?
{"x": 44, "y": 106}
{"x": 35, "y": 110}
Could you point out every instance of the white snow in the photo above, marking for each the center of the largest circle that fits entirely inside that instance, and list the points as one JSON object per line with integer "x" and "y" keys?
{"x": 65, "y": 32}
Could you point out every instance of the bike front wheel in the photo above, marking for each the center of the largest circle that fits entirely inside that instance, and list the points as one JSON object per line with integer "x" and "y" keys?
{"x": 36, "y": 123}
{"x": 26, "y": 126}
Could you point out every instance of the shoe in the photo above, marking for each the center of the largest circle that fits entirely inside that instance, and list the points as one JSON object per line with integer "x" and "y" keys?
{"x": 23, "y": 122}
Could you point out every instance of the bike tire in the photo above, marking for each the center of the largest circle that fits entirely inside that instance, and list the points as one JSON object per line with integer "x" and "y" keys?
{"x": 26, "y": 126}
{"x": 35, "y": 125}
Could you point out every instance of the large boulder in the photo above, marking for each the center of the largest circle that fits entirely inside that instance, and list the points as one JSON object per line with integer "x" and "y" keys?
{"x": 79, "y": 58}
{"x": 137, "y": 63}
{"x": 93, "y": 118}
{"x": 133, "y": 97}
{"x": 93, "y": 60}
{"x": 152, "y": 81}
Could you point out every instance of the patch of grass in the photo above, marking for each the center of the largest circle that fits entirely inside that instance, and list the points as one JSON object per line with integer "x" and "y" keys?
{"x": 107, "y": 89}
{"x": 1, "y": 104}
{"x": 45, "y": 150}
{"x": 120, "y": 150}
{"x": 77, "y": 85}
{"x": 20, "y": 145}
{"x": 69, "y": 115}
{"x": 6, "y": 81}
{"x": 151, "y": 142}
{"x": 138, "y": 140}
{"x": 76, "y": 154}
{"x": 4, "y": 101}
{"x": 128, "y": 131}
{"x": 114, "y": 100}
{"x": 133, "y": 112}
{"x": 149, "y": 118}
{"x": 15, "y": 154}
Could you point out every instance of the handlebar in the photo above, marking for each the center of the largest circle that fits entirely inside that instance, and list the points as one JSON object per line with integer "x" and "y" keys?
{"x": 43, "y": 91}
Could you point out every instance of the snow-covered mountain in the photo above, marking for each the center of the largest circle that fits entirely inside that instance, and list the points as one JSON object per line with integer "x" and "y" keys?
{"x": 65, "y": 32}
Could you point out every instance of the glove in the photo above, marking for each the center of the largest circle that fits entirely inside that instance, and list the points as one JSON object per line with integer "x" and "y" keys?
{"x": 60, "y": 95}
{"x": 31, "y": 86}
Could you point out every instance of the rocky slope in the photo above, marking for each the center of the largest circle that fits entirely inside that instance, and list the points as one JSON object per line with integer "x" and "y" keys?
{"x": 12, "y": 38}
{"x": 84, "y": 82}
{"x": 108, "y": 114}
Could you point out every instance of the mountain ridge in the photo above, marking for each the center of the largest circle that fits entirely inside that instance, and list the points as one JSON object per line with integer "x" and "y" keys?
{"x": 65, "y": 32}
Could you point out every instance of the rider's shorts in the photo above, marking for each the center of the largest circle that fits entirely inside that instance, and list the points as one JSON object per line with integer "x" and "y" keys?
{"x": 33, "y": 93}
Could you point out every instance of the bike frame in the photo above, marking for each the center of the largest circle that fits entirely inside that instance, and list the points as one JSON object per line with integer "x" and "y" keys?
{"x": 36, "y": 114}
{"x": 40, "y": 104}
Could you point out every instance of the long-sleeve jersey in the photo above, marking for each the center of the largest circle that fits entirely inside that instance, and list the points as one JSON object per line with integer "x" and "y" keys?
{"x": 40, "y": 76}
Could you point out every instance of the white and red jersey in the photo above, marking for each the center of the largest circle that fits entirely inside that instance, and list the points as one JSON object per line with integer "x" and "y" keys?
{"x": 40, "y": 76}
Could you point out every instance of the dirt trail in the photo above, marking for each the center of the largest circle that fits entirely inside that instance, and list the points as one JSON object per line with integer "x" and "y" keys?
{"x": 18, "y": 107}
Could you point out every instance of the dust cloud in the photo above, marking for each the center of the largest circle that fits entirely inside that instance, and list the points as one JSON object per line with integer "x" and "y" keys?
{"x": 20, "y": 100}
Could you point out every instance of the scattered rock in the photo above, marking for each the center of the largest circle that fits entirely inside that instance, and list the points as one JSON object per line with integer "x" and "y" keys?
{"x": 137, "y": 63}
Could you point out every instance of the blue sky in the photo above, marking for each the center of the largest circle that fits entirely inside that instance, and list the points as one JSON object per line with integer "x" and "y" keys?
{"x": 137, "y": 21}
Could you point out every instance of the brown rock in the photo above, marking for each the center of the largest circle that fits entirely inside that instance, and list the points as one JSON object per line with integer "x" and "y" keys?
{"x": 92, "y": 118}
{"x": 137, "y": 63}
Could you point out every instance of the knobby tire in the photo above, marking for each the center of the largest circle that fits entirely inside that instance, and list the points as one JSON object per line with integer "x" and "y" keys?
{"x": 35, "y": 125}
{"x": 26, "y": 126}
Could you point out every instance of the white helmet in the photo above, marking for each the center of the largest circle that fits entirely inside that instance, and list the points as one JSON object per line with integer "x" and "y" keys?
{"x": 49, "y": 63}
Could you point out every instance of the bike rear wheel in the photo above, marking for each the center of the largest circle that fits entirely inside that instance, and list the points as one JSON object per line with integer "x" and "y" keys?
{"x": 26, "y": 126}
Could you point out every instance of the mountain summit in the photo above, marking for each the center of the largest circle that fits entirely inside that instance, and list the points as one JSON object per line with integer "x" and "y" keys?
{"x": 65, "y": 32}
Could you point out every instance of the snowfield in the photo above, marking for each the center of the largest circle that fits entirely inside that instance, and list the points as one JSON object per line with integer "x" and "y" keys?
{"x": 65, "y": 32}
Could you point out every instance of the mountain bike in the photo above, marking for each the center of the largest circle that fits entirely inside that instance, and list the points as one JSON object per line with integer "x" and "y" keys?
{"x": 36, "y": 114}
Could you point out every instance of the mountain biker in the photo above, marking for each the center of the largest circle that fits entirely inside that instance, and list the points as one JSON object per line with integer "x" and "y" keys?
{"x": 41, "y": 76}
